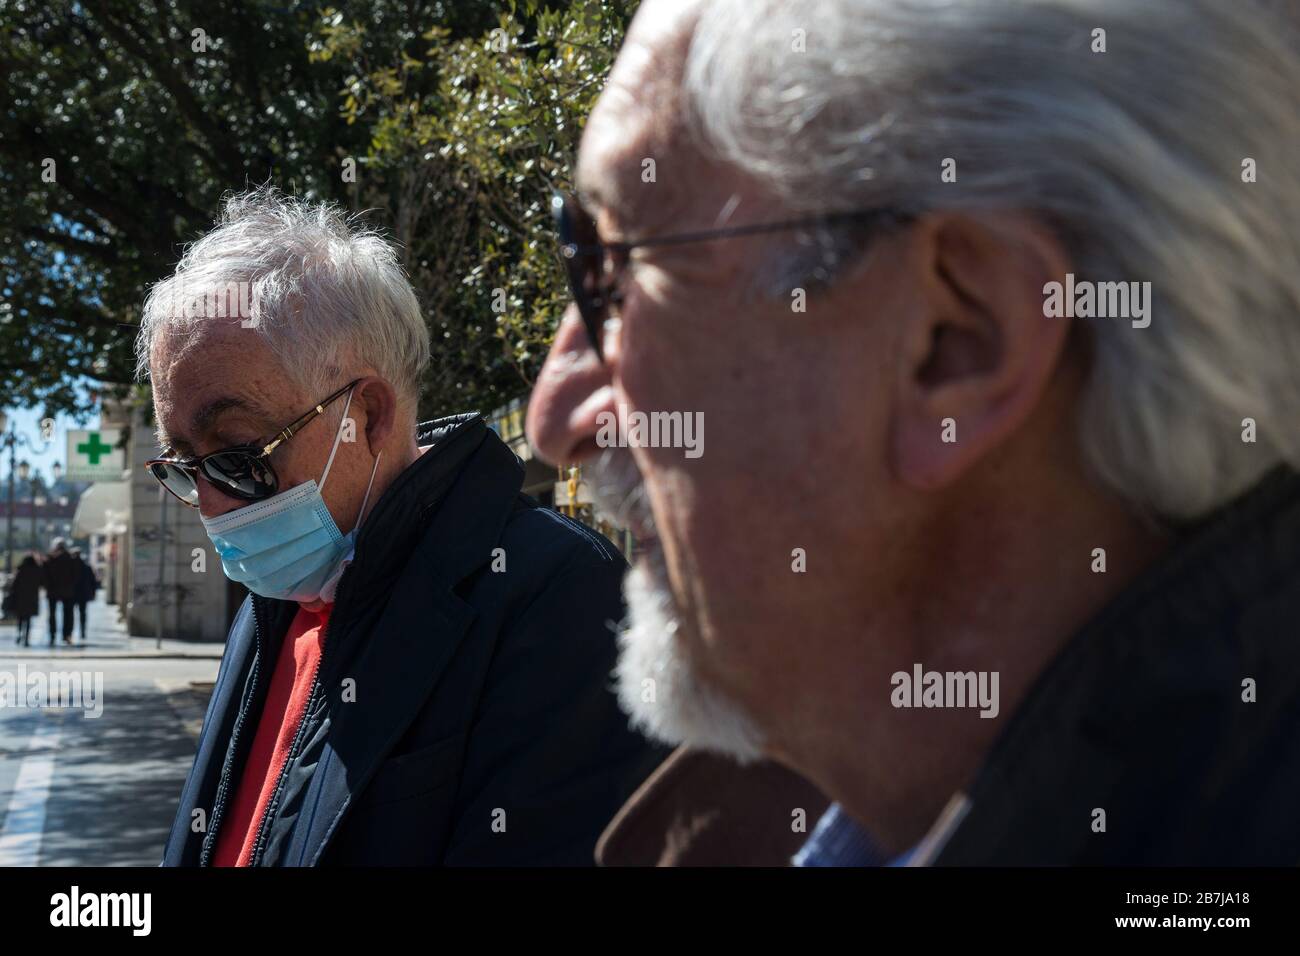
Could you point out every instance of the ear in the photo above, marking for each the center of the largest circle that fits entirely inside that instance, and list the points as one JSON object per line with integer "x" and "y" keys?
{"x": 379, "y": 400}
{"x": 977, "y": 351}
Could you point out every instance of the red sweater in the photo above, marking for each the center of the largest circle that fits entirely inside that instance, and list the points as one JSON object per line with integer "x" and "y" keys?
{"x": 286, "y": 700}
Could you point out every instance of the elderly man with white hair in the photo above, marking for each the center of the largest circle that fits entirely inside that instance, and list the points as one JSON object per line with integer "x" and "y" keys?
{"x": 420, "y": 673}
{"x": 991, "y": 310}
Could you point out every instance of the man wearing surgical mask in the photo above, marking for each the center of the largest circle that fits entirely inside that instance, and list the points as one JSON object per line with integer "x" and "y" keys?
{"x": 419, "y": 675}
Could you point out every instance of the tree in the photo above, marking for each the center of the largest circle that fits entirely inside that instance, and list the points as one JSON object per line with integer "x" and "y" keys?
{"x": 470, "y": 138}
{"x": 125, "y": 124}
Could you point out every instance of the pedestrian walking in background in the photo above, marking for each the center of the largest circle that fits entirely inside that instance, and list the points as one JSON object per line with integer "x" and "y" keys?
{"x": 83, "y": 591}
{"x": 24, "y": 597}
{"x": 59, "y": 578}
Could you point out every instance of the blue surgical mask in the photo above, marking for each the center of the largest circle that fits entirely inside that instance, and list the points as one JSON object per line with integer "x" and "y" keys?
{"x": 288, "y": 547}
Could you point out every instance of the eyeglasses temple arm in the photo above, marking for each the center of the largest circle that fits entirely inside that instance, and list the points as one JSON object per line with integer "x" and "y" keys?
{"x": 293, "y": 427}
{"x": 754, "y": 229}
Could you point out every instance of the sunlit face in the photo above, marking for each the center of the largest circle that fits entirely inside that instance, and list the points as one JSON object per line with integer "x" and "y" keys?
{"x": 223, "y": 388}
{"x": 773, "y": 540}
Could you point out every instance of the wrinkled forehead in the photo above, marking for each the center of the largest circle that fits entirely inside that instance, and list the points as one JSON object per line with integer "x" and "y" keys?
{"x": 183, "y": 353}
{"x": 636, "y": 154}
{"x": 201, "y": 374}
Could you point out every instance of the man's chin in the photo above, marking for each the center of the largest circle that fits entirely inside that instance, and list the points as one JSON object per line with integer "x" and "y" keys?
{"x": 657, "y": 685}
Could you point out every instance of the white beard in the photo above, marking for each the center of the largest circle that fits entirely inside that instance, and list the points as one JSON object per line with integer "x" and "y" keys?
{"x": 656, "y": 685}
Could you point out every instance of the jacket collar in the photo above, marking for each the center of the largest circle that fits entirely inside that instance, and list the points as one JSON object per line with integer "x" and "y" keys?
{"x": 701, "y": 809}
{"x": 402, "y": 513}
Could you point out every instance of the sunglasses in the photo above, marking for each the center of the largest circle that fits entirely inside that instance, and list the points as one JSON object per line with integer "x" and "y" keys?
{"x": 595, "y": 267}
{"x": 243, "y": 471}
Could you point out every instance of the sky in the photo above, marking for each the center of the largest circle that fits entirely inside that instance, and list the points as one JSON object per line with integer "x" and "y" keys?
{"x": 28, "y": 423}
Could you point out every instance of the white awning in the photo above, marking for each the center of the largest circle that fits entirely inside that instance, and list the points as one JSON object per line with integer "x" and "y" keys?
{"x": 103, "y": 508}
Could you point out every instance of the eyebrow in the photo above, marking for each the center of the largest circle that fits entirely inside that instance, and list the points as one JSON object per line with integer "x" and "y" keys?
{"x": 633, "y": 219}
{"x": 206, "y": 417}
{"x": 599, "y": 190}
{"x": 596, "y": 199}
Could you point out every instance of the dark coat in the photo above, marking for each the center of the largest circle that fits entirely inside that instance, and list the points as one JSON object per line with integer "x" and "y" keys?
{"x": 1143, "y": 715}
{"x": 87, "y": 584}
{"x": 59, "y": 575}
{"x": 483, "y": 731}
{"x": 25, "y": 589}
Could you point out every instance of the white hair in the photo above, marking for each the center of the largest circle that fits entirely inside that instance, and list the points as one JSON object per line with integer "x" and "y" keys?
{"x": 657, "y": 683}
{"x": 656, "y": 680}
{"x": 327, "y": 294}
{"x": 1134, "y": 155}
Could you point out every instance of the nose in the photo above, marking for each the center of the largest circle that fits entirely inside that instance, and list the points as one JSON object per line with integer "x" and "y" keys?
{"x": 572, "y": 390}
{"x": 213, "y": 502}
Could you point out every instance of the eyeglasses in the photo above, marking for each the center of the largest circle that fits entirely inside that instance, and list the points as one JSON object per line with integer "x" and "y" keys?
{"x": 242, "y": 472}
{"x": 596, "y": 286}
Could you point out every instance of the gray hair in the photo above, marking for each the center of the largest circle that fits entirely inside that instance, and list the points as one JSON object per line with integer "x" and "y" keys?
{"x": 327, "y": 294}
{"x": 1134, "y": 155}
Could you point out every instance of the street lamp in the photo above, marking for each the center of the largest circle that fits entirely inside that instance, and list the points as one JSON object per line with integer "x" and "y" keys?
{"x": 24, "y": 474}
{"x": 11, "y": 439}
{"x": 56, "y": 470}
{"x": 38, "y": 500}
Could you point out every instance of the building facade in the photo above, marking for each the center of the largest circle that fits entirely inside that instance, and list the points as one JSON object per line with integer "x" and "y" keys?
{"x": 166, "y": 575}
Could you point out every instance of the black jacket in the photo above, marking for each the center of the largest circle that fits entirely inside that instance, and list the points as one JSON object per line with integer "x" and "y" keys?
{"x": 25, "y": 589}
{"x": 483, "y": 730}
{"x": 59, "y": 575}
{"x": 87, "y": 584}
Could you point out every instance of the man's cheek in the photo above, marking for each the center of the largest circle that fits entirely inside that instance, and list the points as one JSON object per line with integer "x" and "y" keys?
{"x": 667, "y": 322}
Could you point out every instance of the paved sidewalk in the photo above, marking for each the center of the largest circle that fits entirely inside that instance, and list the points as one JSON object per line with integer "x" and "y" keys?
{"x": 106, "y": 638}
{"x": 94, "y": 780}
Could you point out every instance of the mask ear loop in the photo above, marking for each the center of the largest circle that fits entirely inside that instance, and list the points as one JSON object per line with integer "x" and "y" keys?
{"x": 338, "y": 434}
{"x": 362, "y": 510}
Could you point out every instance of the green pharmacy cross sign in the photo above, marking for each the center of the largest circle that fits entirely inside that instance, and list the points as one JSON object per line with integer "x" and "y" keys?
{"x": 94, "y": 455}
{"x": 93, "y": 448}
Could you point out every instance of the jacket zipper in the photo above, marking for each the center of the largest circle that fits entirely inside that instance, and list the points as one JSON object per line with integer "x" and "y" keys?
{"x": 264, "y": 824}
{"x": 219, "y": 805}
